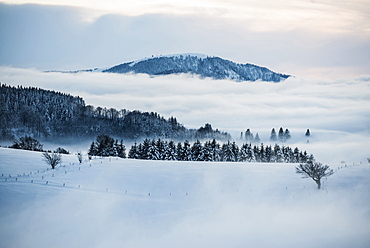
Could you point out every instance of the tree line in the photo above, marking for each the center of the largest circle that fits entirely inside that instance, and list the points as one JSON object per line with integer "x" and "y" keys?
{"x": 157, "y": 149}
{"x": 45, "y": 114}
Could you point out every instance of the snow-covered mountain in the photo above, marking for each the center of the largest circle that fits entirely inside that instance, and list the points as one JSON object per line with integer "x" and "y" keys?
{"x": 199, "y": 64}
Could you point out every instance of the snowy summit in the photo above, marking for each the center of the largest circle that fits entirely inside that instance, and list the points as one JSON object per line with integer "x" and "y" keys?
{"x": 198, "y": 64}
{"x": 178, "y": 56}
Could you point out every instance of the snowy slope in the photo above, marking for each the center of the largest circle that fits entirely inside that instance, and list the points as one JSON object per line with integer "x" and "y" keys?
{"x": 131, "y": 203}
{"x": 199, "y": 64}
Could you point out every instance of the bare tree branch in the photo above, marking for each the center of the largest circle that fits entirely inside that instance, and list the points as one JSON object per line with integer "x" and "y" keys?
{"x": 314, "y": 170}
{"x": 52, "y": 159}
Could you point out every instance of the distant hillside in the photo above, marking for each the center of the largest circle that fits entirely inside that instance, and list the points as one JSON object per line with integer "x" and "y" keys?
{"x": 202, "y": 65}
{"x": 54, "y": 115}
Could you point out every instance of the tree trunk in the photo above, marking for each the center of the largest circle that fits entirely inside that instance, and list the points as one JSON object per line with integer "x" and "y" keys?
{"x": 318, "y": 184}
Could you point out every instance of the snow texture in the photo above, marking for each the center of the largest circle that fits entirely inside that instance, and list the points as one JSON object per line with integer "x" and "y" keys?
{"x": 114, "y": 202}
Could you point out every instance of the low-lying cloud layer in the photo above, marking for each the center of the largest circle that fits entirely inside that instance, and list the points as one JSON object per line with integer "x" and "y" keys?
{"x": 334, "y": 111}
{"x": 295, "y": 103}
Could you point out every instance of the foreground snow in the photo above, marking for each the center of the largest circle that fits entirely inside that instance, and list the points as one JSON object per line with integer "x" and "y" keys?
{"x": 132, "y": 203}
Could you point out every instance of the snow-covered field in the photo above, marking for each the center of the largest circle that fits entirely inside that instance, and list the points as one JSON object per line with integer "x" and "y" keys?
{"x": 132, "y": 203}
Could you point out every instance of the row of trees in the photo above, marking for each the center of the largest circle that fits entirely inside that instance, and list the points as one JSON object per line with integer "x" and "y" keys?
{"x": 27, "y": 143}
{"x": 31, "y": 144}
{"x": 213, "y": 151}
{"x": 210, "y": 151}
{"x": 281, "y": 136}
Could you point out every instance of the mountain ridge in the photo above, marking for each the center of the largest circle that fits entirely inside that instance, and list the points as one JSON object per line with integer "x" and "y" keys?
{"x": 199, "y": 64}
{"x": 202, "y": 65}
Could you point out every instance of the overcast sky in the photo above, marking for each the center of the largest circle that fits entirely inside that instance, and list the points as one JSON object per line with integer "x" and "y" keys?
{"x": 327, "y": 39}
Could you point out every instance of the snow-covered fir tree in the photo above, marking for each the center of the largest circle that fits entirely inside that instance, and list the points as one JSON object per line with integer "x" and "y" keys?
{"x": 249, "y": 136}
{"x": 287, "y": 135}
{"x": 273, "y": 136}
{"x": 281, "y": 136}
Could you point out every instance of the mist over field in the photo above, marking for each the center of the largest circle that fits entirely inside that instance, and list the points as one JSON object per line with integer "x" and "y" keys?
{"x": 336, "y": 112}
{"x": 109, "y": 202}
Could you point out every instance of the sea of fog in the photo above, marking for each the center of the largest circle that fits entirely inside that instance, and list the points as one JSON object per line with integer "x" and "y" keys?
{"x": 336, "y": 112}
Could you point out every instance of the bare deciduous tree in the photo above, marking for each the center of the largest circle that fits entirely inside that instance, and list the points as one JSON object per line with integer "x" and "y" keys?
{"x": 52, "y": 159}
{"x": 314, "y": 170}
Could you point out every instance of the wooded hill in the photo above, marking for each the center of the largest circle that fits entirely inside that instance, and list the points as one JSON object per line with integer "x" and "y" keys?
{"x": 54, "y": 115}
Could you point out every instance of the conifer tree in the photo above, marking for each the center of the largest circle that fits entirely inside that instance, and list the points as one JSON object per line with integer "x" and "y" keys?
{"x": 153, "y": 151}
{"x": 243, "y": 153}
{"x": 235, "y": 150}
{"x": 268, "y": 154}
{"x": 308, "y": 133}
{"x": 187, "y": 155}
{"x": 228, "y": 153}
{"x": 207, "y": 151}
{"x": 262, "y": 154}
{"x": 273, "y": 136}
{"x": 250, "y": 154}
{"x": 196, "y": 151}
{"x": 296, "y": 155}
{"x": 279, "y": 158}
{"x": 256, "y": 153}
{"x": 172, "y": 154}
{"x": 134, "y": 152}
{"x": 121, "y": 150}
{"x": 287, "y": 135}
{"x": 281, "y": 136}
{"x": 140, "y": 151}
{"x": 145, "y": 149}
{"x": 215, "y": 151}
{"x": 180, "y": 152}
{"x": 257, "y": 138}
{"x": 249, "y": 136}
{"x": 92, "y": 150}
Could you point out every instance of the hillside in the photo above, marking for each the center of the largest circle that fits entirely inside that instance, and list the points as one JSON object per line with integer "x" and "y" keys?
{"x": 198, "y": 64}
{"x": 55, "y": 115}
{"x": 135, "y": 203}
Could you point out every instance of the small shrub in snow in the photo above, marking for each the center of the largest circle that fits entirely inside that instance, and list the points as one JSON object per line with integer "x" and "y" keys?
{"x": 52, "y": 159}
{"x": 79, "y": 157}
